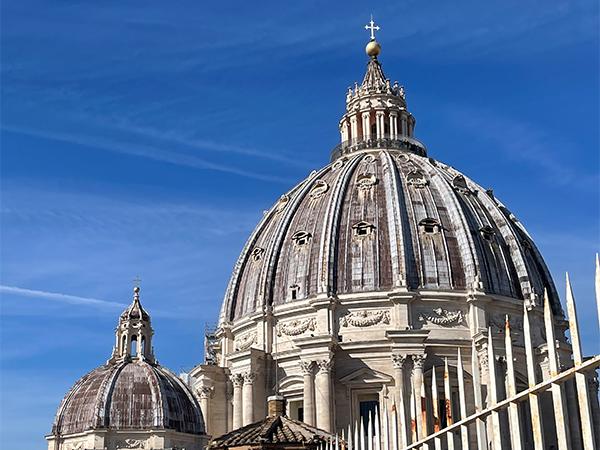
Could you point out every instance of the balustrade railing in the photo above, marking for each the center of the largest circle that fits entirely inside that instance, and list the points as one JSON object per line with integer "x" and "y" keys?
{"x": 503, "y": 423}
{"x": 385, "y": 141}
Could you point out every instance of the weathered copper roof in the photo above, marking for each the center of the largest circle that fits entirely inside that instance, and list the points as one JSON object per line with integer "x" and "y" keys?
{"x": 308, "y": 243}
{"x": 272, "y": 430}
{"x": 134, "y": 395}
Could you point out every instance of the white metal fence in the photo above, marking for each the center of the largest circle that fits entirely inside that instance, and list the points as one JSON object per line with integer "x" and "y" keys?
{"x": 502, "y": 423}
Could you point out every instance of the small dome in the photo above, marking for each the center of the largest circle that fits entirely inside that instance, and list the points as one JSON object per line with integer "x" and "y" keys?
{"x": 129, "y": 395}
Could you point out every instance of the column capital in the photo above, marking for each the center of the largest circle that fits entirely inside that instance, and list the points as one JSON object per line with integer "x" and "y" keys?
{"x": 419, "y": 360}
{"x": 250, "y": 377}
{"x": 325, "y": 365}
{"x": 307, "y": 367}
{"x": 205, "y": 391}
{"x": 237, "y": 379}
{"x": 398, "y": 361}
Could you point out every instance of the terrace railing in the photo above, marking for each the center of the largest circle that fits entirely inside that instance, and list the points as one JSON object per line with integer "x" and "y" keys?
{"x": 385, "y": 141}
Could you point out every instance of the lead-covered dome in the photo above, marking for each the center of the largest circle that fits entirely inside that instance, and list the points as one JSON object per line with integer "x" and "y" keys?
{"x": 377, "y": 220}
{"x": 131, "y": 392}
{"x": 382, "y": 216}
{"x": 129, "y": 395}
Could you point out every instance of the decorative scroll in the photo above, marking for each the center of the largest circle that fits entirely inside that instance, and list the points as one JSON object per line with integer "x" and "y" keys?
{"x": 245, "y": 342}
{"x": 282, "y": 203}
{"x": 318, "y": 190}
{"x": 369, "y": 159}
{"x": 366, "y": 181}
{"x": 296, "y": 327}
{"x": 416, "y": 179}
{"x": 338, "y": 164}
{"x": 364, "y": 318}
{"x": 442, "y": 317}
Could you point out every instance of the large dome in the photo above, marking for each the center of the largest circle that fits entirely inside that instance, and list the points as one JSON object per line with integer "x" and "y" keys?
{"x": 379, "y": 219}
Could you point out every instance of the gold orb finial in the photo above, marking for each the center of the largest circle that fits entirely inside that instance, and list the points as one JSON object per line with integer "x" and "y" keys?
{"x": 136, "y": 289}
{"x": 373, "y": 48}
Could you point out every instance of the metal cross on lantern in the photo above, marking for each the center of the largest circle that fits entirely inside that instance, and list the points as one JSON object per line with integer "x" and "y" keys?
{"x": 372, "y": 27}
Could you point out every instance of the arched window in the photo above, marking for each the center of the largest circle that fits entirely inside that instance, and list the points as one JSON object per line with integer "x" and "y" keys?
{"x": 143, "y": 346}
{"x": 294, "y": 292}
{"x": 134, "y": 345}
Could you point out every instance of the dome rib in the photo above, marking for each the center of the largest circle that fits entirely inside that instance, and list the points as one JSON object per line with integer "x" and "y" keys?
{"x": 398, "y": 255}
{"x": 104, "y": 396}
{"x": 329, "y": 241}
{"x": 461, "y": 228}
{"x": 274, "y": 250}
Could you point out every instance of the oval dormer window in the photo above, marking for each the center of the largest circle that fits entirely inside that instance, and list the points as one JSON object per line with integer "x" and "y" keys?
{"x": 301, "y": 238}
{"x": 487, "y": 233}
{"x": 257, "y": 254}
{"x": 429, "y": 226}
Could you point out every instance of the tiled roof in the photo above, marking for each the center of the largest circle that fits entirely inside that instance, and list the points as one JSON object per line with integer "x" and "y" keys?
{"x": 272, "y": 430}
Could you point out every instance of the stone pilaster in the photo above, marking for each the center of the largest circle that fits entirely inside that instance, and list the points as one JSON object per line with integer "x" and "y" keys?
{"x": 237, "y": 380}
{"x": 248, "y": 392}
{"x": 204, "y": 393}
{"x": 417, "y": 381}
{"x": 309, "y": 392}
{"x": 323, "y": 394}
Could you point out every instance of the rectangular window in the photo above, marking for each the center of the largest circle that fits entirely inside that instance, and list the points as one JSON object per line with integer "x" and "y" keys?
{"x": 368, "y": 404}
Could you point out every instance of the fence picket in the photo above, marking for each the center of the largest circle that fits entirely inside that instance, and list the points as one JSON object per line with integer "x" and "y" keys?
{"x": 464, "y": 431}
{"x": 515, "y": 422}
{"x": 562, "y": 431}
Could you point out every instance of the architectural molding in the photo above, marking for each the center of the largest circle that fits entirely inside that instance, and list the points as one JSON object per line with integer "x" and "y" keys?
{"x": 442, "y": 317}
{"x": 296, "y": 327}
{"x": 364, "y": 318}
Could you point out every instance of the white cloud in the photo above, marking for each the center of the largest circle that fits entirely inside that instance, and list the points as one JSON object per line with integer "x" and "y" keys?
{"x": 65, "y": 298}
{"x": 140, "y": 150}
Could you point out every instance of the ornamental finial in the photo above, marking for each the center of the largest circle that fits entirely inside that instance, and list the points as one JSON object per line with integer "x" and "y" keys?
{"x": 136, "y": 289}
{"x": 372, "y": 27}
{"x": 373, "y": 48}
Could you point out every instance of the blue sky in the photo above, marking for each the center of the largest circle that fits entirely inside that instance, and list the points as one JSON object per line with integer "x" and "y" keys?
{"x": 146, "y": 138}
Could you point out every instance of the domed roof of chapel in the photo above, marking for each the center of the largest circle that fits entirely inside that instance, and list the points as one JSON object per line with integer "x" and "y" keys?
{"x": 129, "y": 395}
{"x": 132, "y": 391}
{"x": 383, "y": 216}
